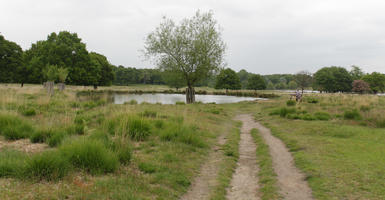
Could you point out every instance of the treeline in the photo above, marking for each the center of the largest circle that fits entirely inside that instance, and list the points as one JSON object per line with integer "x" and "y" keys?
{"x": 66, "y": 51}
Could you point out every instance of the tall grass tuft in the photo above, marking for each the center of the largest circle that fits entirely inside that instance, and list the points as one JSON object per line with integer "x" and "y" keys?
{"x": 11, "y": 163}
{"x": 352, "y": 114}
{"x": 49, "y": 166}
{"x": 90, "y": 155}
{"x": 14, "y": 128}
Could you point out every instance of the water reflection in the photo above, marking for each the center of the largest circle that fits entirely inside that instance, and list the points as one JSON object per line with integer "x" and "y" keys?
{"x": 173, "y": 98}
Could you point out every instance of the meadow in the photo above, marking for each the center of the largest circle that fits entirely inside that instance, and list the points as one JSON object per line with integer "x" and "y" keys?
{"x": 82, "y": 147}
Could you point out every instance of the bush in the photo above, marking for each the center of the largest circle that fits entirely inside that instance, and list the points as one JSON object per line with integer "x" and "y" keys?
{"x": 291, "y": 103}
{"x": 124, "y": 154}
{"x": 14, "y": 128}
{"x": 180, "y": 103}
{"x": 352, "y": 115}
{"x": 284, "y": 111}
{"x": 11, "y": 163}
{"x": 185, "y": 134}
{"x": 322, "y": 116}
{"x": 41, "y": 136}
{"x": 311, "y": 100}
{"x": 308, "y": 117}
{"x": 46, "y": 166}
{"x": 90, "y": 155}
{"x": 149, "y": 113}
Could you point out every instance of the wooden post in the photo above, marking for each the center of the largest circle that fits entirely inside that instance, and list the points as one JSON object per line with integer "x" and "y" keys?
{"x": 50, "y": 87}
{"x": 190, "y": 95}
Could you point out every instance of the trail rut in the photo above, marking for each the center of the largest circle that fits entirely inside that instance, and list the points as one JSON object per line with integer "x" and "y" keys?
{"x": 244, "y": 184}
{"x": 291, "y": 181}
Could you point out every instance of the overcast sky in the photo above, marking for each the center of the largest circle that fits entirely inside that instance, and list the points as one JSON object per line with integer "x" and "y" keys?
{"x": 262, "y": 36}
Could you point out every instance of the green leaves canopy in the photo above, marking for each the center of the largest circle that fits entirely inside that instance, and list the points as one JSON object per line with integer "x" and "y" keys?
{"x": 256, "y": 82}
{"x": 11, "y": 61}
{"x": 228, "y": 79}
{"x": 194, "y": 48}
{"x": 333, "y": 79}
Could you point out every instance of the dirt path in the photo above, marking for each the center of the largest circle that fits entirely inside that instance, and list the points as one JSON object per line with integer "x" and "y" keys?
{"x": 202, "y": 185}
{"x": 291, "y": 181}
{"x": 244, "y": 184}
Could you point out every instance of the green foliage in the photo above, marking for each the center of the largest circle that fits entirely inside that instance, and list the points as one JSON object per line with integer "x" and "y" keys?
{"x": 193, "y": 48}
{"x": 311, "y": 100}
{"x": 11, "y": 163}
{"x": 352, "y": 114}
{"x": 105, "y": 74}
{"x": 14, "y": 128}
{"x": 149, "y": 113}
{"x": 12, "y": 69}
{"x": 228, "y": 79}
{"x": 303, "y": 79}
{"x": 49, "y": 165}
{"x": 41, "y": 136}
{"x": 62, "y": 74}
{"x": 27, "y": 111}
{"x": 56, "y": 138}
{"x": 308, "y": 117}
{"x": 322, "y": 116}
{"x": 333, "y": 79}
{"x": 180, "y": 103}
{"x": 376, "y": 81}
{"x": 90, "y": 155}
{"x": 284, "y": 111}
{"x": 256, "y": 82}
{"x": 51, "y": 73}
{"x": 291, "y": 103}
{"x": 174, "y": 79}
{"x": 176, "y": 131}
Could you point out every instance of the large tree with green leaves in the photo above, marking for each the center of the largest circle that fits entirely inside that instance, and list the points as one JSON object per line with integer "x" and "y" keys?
{"x": 64, "y": 50}
{"x": 228, "y": 79}
{"x": 376, "y": 81}
{"x": 193, "y": 48}
{"x": 11, "y": 61}
{"x": 303, "y": 79}
{"x": 105, "y": 74}
{"x": 173, "y": 79}
{"x": 333, "y": 79}
{"x": 256, "y": 82}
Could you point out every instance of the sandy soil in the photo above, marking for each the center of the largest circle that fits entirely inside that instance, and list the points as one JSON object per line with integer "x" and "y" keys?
{"x": 244, "y": 184}
{"x": 291, "y": 181}
{"x": 23, "y": 145}
{"x": 207, "y": 179}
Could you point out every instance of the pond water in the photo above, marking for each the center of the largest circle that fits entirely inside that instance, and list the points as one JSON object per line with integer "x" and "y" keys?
{"x": 173, "y": 98}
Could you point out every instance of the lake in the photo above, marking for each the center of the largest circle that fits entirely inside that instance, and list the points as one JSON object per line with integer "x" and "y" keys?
{"x": 173, "y": 98}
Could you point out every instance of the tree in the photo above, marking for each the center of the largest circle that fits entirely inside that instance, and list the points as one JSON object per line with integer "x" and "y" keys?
{"x": 62, "y": 74}
{"x": 51, "y": 74}
{"x": 333, "y": 79}
{"x": 360, "y": 86}
{"x": 243, "y": 76}
{"x": 11, "y": 61}
{"x": 105, "y": 74}
{"x": 376, "y": 81}
{"x": 356, "y": 73}
{"x": 174, "y": 79}
{"x": 194, "y": 48}
{"x": 303, "y": 79}
{"x": 256, "y": 82}
{"x": 64, "y": 49}
{"x": 228, "y": 79}
{"x": 292, "y": 85}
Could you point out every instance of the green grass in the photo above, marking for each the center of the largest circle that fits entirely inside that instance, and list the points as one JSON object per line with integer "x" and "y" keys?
{"x": 11, "y": 163}
{"x": 228, "y": 165}
{"x": 267, "y": 177}
{"x": 14, "y": 128}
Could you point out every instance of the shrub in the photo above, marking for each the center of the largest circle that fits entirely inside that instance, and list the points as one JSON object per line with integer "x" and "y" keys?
{"x": 124, "y": 154}
{"x": 147, "y": 167}
{"x": 14, "y": 128}
{"x": 311, "y": 100}
{"x": 308, "y": 117}
{"x": 291, "y": 103}
{"x": 46, "y": 166}
{"x": 352, "y": 114}
{"x": 185, "y": 134}
{"x": 284, "y": 111}
{"x": 322, "y": 116}
{"x": 149, "y": 113}
{"x": 11, "y": 163}
{"x": 90, "y": 155}
{"x": 159, "y": 123}
{"x": 180, "y": 103}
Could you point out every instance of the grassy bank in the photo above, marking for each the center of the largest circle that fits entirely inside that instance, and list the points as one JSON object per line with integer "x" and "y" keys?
{"x": 342, "y": 153}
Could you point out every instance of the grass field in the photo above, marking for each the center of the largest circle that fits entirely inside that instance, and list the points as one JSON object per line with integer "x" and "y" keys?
{"x": 85, "y": 148}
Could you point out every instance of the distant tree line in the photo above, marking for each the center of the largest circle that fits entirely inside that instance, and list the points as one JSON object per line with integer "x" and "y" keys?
{"x": 68, "y": 54}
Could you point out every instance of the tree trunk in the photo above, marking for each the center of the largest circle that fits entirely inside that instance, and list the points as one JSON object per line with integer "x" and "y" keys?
{"x": 61, "y": 86}
{"x": 95, "y": 87}
{"x": 22, "y": 84}
{"x": 50, "y": 87}
{"x": 190, "y": 95}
